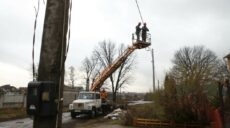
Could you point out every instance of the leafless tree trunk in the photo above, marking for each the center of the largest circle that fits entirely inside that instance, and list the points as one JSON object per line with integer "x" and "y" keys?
{"x": 88, "y": 67}
{"x": 106, "y": 54}
{"x": 72, "y": 76}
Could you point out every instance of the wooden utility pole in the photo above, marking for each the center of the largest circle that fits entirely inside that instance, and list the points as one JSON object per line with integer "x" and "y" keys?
{"x": 52, "y": 56}
{"x": 154, "y": 88}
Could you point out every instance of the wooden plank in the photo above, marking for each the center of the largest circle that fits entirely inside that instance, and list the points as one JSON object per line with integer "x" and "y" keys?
{"x": 140, "y": 122}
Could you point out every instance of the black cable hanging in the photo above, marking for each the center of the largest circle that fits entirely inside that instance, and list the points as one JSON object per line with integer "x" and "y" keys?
{"x": 139, "y": 11}
{"x": 69, "y": 23}
{"x": 34, "y": 35}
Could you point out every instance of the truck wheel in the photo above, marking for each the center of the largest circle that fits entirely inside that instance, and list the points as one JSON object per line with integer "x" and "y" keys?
{"x": 73, "y": 115}
{"x": 93, "y": 113}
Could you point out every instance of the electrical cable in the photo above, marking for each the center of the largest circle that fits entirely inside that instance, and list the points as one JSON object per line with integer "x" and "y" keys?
{"x": 139, "y": 11}
{"x": 68, "y": 39}
{"x": 64, "y": 50}
{"x": 34, "y": 35}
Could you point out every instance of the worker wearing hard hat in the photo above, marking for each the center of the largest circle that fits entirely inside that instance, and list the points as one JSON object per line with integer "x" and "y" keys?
{"x": 103, "y": 95}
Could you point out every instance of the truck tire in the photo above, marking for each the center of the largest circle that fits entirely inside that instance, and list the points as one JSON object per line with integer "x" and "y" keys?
{"x": 73, "y": 115}
{"x": 94, "y": 113}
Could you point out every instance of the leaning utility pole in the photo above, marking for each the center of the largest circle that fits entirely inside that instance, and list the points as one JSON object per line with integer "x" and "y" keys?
{"x": 154, "y": 87}
{"x": 52, "y": 57}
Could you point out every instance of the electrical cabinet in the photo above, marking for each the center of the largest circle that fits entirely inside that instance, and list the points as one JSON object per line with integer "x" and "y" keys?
{"x": 41, "y": 99}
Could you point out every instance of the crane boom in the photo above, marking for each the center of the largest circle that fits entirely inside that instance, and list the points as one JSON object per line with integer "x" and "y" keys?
{"x": 98, "y": 82}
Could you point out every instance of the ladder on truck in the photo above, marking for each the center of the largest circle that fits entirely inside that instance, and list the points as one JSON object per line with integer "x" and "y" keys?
{"x": 136, "y": 44}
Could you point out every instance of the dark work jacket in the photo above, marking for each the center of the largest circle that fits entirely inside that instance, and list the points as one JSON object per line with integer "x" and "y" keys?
{"x": 138, "y": 29}
{"x": 144, "y": 30}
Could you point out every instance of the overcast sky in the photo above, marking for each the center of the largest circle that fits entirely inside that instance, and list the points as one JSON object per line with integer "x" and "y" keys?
{"x": 173, "y": 24}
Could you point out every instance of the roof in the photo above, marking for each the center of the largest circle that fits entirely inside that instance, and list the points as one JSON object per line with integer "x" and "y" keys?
{"x": 7, "y": 88}
{"x": 228, "y": 56}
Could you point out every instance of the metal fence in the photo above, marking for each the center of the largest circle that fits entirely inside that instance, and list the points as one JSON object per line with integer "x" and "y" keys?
{"x": 148, "y": 38}
{"x": 12, "y": 100}
{"x": 19, "y": 100}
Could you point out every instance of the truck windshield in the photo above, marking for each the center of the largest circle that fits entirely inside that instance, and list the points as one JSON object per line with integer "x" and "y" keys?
{"x": 85, "y": 96}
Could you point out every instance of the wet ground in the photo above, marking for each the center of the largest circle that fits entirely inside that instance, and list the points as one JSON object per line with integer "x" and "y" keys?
{"x": 82, "y": 121}
{"x": 98, "y": 122}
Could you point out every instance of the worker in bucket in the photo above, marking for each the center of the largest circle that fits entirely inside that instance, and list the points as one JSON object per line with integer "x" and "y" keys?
{"x": 144, "y": 32}
{"x": 103, "y": 95}
{"x": 138, "y": 30}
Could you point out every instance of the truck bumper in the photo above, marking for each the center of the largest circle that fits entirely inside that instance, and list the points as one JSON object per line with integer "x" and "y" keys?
{"x": 81, "y": 111}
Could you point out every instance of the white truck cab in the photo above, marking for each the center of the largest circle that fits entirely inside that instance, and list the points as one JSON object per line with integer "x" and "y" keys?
{"x": 86, "y": 103}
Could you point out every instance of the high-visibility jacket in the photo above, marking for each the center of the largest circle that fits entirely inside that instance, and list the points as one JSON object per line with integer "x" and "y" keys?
{"x": 103, "y": 94}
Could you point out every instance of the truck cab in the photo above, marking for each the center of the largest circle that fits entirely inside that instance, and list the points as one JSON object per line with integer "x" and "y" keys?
{"x": 86, "y": 103}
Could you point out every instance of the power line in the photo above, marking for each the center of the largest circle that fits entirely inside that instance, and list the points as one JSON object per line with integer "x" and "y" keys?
{"x": 139, "y": 11}
{"x": 34, "y": 36}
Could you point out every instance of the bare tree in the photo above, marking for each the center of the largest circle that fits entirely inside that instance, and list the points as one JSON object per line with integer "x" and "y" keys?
{"x": 89, "y": 67}
{"x": 71, "y": 76}
{"x": 106, "y": 53}
{"x": 195, "y": 66}
{"x": 222, "y": 70}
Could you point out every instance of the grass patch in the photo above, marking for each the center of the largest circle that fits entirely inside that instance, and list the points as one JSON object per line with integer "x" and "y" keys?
{"x": 12, "y": 113}
{"x": 112, "y": 122}
{"x": 149, "y": 111}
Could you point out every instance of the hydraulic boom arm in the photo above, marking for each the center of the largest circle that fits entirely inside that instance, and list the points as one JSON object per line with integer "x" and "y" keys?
{"x": 116, "y": 64}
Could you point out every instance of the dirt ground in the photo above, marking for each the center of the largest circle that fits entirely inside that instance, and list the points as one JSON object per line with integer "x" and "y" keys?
{"x": 99, "y": 122}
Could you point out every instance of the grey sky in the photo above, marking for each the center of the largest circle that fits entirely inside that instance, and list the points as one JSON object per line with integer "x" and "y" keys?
{"x": 172, "y": 23}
